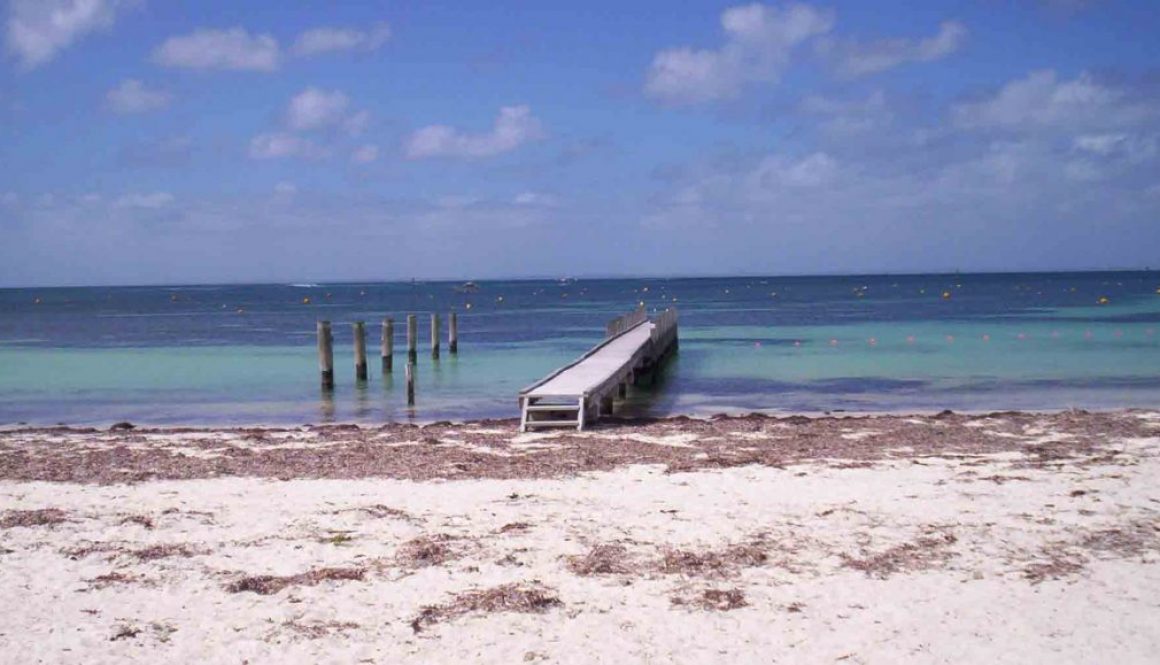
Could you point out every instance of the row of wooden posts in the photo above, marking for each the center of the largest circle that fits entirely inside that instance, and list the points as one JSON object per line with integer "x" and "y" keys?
{"x": 387, "y": 349}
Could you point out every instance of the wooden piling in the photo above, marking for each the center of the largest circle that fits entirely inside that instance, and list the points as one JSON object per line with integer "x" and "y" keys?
{"x": 412, "y": 339}
{"x": 410, "y": 376}
{"x": 360, "y": 350}
{"x": 387, "y": 346}
{"x": 435, "y": 336}
{"x": 453, "y": 334}
{"x": 326, "y": 355}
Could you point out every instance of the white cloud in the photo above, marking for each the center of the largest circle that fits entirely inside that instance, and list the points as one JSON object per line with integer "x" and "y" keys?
{"x": 37, "y": 30}
{"x": 759, "y": 41}
{"x": 147, "y": 201}
{"x": 313, "y": 108}
{"x": 859, "y": 59}
{"x": 514, "y": 127}
{"x": 365, "y": 154}
{"x": 1042, "y": 100}
{"x": 275, "y": 145}
{"x": 234, "y": 49}
{"x": 535, "y": 199}
{"x": 841, "y": 117}
{"x": 327, "y": 40}
{"x": 285, "y": 189}
{"x": 131, "y": 96}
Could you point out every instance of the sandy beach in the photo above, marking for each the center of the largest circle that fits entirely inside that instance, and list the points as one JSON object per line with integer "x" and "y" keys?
{"x": 1008, "y": 537}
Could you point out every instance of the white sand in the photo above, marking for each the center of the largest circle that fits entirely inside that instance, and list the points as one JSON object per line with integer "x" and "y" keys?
{"x": 973, "y": 605}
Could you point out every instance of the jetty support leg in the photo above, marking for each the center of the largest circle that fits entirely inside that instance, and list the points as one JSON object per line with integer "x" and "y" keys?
{"x": 326, "y": 355}
{"x": 360, "y": 351}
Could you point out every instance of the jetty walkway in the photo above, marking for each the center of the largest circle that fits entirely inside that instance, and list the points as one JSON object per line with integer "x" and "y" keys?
{"x": 580, "y": 392}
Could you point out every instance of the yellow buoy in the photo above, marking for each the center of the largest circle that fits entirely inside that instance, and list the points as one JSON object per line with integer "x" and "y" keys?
{"x": 946, "y": 295}
{"x": 1103, "y": 300}
{"x": 306, "y": 300}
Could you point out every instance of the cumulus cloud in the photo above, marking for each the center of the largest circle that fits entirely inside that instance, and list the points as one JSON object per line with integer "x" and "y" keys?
{"x": 37, "y": 30}
{"x": 132, "y": 96}
{"x": 1043, "y": 100}
{"x": 276, "y": 145}
{"x": 854, "y": 59}
{"x": 231, "y": 49}
{"x": 314, "y": 108}
{"x": 514, "y": 127}
{"x": 317, "y": 41}
{"x": 759, "y": 41}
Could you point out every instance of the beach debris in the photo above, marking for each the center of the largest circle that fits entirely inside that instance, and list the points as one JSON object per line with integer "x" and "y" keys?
{"x": 720, "y": 600}
{"x": 266, "y": 585}
{"x": 142, "y": 520}
{"x": 426, "y": 551}
{"x": 32, "y": 518}
{"x": 712, "y": 563}
{"x": 609, "y": 559}
{"x": 515, "y": 527}
{"x": 154, "y": 552}
{"x": 526, "y": 598}
{"x": 1058, "y": 566}
{"x": 122, "y": 426}
{"x": 923, "y": 553}
{"x": 318, "y": 629}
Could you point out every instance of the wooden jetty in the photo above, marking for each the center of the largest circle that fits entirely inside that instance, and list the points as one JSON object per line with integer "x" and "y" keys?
{"x": 580, "y": 392}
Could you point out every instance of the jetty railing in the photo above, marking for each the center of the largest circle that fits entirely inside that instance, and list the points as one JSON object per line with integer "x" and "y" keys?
{"x": 625, "y": 322}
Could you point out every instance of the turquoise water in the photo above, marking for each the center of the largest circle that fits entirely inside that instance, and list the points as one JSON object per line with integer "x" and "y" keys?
{"x": 245, "y": 353}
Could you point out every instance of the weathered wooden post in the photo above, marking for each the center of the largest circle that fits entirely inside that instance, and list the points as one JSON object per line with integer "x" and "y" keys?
{"x": 435, "y": 336}
{"x": 412, "y": 339}
{"x": 326, "y": 355}
{"x": 453, "y": 334}
{"x": 360, "y": 350}
{"x": 387, "y": 349}
{"x": 410, "y": 376}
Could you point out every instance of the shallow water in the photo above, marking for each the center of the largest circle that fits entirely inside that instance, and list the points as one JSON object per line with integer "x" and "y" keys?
{"x": 245, "y": 353}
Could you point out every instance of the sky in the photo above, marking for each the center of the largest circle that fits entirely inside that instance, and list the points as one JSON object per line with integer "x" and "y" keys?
{"x": 156, "y": 142}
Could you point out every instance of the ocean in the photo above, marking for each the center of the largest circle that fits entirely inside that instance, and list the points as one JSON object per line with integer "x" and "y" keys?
{"x": 245, "y": 354}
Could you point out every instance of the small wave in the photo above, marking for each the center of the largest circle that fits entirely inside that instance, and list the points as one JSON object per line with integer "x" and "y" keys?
{"x": 304, "y": 286}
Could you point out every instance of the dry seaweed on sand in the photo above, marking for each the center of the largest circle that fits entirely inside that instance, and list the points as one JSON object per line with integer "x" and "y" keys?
{"x": 1131, "y": 539}
{"x": 528, "y": 598}
{"x": 427, "y": 551}
{"x": 924, "y": 552}
{"x": 319, "y": 629}
{"x": 721, "y": 600}
{"x": 65, "y": 455}
{"x": 31, "y": 518}
{"x": 164, "y": 551}
{"x": 712, "y": 563}
{"x": 1057, "y": 566}
{"x": 266, "y": 585}
{"x": 608, "y": 559}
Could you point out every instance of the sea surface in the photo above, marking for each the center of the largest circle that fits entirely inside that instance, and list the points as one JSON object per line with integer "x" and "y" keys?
{"x": 246, "y": 354}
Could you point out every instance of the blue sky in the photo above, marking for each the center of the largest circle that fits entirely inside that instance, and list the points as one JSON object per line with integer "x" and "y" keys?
{"x": 144, "y": 141}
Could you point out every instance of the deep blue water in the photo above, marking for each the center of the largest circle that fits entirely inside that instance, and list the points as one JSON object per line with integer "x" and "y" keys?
{"x": 245, "y": 353}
